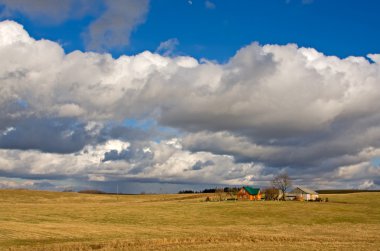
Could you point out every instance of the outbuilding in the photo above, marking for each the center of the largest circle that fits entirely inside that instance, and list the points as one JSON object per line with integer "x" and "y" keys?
{"x": 304, "y": 193}
{"x": 249, "y": 193}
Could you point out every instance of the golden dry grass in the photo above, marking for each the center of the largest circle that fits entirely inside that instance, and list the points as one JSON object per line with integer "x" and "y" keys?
{"x": 35, "y": 220}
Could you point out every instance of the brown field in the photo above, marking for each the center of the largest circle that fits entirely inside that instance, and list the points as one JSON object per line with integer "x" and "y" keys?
{"x": 34, "y": 220}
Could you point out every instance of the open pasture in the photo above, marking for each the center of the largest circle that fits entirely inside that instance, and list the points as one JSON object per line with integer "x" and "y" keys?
{"x": 36, "y": 220}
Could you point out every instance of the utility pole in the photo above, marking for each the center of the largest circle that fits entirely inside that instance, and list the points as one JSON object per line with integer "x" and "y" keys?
{"x": 117, "y": 191}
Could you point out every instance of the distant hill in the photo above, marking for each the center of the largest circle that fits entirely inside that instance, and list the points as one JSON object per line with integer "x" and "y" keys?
{"x": 91, "y": 191}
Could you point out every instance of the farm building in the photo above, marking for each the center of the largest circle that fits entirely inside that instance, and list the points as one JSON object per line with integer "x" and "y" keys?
{"x": 249, "y": 193}
{"x": 304, "y": 193}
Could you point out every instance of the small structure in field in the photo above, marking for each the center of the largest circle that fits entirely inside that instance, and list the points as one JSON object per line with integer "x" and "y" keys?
{"x": 249, "y": 193}
{"x": 304, "y": 193}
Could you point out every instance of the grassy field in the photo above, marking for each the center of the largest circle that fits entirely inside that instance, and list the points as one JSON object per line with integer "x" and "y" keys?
{"x": 34, "y": 220}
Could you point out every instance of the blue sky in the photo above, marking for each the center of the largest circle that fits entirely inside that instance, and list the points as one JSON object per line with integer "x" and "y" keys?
{"x": 216, "y": 33}
{"x": 166, "y": 95}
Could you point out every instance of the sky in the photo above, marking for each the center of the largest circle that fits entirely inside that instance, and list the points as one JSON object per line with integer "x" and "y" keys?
{"x": 162, "y": 95}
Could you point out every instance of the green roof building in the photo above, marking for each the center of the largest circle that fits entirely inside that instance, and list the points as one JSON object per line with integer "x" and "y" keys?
{"x": 249, "y": 193}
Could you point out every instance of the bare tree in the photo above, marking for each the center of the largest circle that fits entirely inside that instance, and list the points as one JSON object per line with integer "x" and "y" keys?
{"x": 219, "y": 193}
{"x": 282, "y": 182}
{"x": 271, "y": 193}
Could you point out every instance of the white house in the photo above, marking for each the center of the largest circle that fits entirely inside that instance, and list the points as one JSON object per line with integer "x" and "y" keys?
{"x": 305, "y": 193}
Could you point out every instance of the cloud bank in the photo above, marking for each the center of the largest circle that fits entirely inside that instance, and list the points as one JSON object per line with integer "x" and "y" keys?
{"x": 154, "y": 118}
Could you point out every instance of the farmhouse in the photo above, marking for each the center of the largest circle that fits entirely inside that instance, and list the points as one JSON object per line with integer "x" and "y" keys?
{"x": 249, "y": 193}
{"x": 304, "y": 193}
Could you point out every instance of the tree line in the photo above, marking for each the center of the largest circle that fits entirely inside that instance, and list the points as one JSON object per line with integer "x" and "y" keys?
{"x": 213, "y": 190}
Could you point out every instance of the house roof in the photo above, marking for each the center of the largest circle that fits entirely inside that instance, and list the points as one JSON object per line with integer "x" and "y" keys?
{"x": 305, "y": 190}
{"x": 251, "y": 190}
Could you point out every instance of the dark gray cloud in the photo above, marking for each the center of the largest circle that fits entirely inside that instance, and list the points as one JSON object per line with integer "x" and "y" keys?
{"x": 68, "y": 135}
{"x": 126, "y": 133}
{"x": 113, "y": 28}
{"x": 116, "y": 19}
{"x": 47, "y": 11}
{"x": 199, "y": 164}
{"x": 210, "y": 5}
{"x": 59, "y": 135}
{"x": 135, "y": 153}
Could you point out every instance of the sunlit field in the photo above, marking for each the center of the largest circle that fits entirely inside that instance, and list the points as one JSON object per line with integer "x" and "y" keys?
{"x": 34, "y": 220}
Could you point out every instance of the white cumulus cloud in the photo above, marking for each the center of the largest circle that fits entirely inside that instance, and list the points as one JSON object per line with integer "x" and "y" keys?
{"x": 268, "y": 108}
